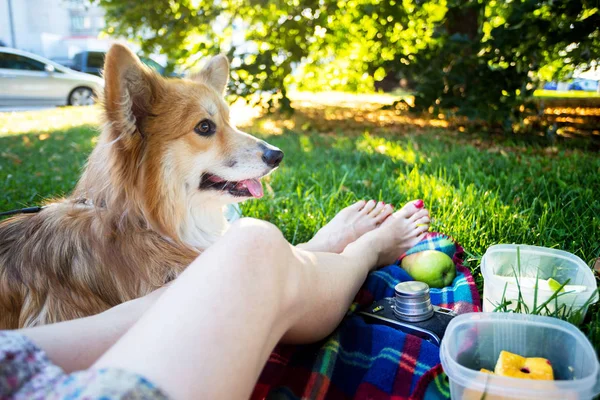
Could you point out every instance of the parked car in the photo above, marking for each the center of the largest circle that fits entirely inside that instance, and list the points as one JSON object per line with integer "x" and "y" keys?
{"x": 587, "y": 85}
{"x": 581, "y": 84}
{"x": 92, "y": 62}
{"x": 64, "y": 61}
{"x": 28, "y": 79}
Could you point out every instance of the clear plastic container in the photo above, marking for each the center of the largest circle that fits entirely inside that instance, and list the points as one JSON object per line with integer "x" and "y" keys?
{"x": 500, "y": 262}
{"x": 475, "y": 340}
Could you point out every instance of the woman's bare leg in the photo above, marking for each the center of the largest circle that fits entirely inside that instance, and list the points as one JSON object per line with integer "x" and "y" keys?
{"x": 211, "y": 332}
{"x": 77, "y": 344}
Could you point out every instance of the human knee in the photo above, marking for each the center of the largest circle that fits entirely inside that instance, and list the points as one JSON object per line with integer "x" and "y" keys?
{"x": 257, "y": 238}
{"x": 267, "y": 257}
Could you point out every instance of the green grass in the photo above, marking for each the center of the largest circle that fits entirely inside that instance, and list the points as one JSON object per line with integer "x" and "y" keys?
{"x": 479, "y": 192}
{"x": 568, "y": 94}
{"x": 41, "y": 153}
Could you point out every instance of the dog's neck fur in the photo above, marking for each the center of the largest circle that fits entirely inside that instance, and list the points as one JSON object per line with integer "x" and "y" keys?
{"x": 204, "y": 225}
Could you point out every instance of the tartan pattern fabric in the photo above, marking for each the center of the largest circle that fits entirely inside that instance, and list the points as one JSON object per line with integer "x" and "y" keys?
{"x": 371, "y": 361}
{"x": 439, "y": 242}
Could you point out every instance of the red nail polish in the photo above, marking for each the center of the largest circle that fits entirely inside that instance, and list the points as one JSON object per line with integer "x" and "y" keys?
{"x": 418, "y": 203}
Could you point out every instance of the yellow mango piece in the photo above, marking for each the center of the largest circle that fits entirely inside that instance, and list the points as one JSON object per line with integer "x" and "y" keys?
{"x": 516, "y": 366}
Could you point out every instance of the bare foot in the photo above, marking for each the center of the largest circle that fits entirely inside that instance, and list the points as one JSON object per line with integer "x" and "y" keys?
{"x": 348, "y": 225}
{"x": 398, "y": 233}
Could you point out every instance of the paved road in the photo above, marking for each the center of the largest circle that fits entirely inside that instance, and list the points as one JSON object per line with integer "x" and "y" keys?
{"x": 25, "y": 108}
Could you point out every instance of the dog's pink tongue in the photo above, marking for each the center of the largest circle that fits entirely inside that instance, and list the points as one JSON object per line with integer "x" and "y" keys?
{"x": 254, "y": 187}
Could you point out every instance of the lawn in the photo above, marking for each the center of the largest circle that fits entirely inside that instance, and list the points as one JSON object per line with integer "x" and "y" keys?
{"x": 567, "y": 94}
{"x": 481, "y": 191}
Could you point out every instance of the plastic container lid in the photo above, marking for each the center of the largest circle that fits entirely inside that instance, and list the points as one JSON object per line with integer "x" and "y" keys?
{"x": 502, "y": 261}
{"x": 475, "y": 340}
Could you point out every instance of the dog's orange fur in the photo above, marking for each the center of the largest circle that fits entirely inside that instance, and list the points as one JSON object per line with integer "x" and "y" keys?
{"x": 137, "y": 217}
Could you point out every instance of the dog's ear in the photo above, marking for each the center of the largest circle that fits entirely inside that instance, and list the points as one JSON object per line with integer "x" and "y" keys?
{"x": 215, "y": 73}
{"x": 129, "y": 90}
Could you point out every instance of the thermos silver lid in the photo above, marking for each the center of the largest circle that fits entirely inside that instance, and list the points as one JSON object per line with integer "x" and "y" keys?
{"x": 412, "y": 301}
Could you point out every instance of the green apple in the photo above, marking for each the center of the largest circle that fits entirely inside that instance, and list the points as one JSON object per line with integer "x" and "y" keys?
{"x": 430, "y": 266}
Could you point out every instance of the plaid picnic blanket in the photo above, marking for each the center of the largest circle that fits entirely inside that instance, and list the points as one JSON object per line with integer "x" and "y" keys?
{"x": 370, "y": 361}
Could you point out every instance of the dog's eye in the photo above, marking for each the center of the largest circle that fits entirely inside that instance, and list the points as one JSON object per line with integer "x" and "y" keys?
{"x": 205, "y": 128}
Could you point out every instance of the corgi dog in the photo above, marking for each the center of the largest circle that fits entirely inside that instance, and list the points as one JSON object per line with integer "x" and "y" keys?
{"x": 150, "y": 199}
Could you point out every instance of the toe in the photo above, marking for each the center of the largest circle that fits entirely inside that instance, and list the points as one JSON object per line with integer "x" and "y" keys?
{"x": 386, "y": 212}
{"x": 420, "y": 237}
{"x": 419, "y": 214}
{"x": 423, "y": 220}
{"x": 357, "y": 206}
{"x": 421, "y": 229}
{"x": 368, "y": 207}
{"x": 409, "y": 209}
{"x": 377, "y": 210}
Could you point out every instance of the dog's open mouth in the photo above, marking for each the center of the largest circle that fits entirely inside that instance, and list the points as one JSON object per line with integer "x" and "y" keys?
{"x": 243, "y": 188}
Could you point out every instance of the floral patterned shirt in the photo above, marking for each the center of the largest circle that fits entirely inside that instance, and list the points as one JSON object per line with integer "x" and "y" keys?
{"x": 27, "y": 373}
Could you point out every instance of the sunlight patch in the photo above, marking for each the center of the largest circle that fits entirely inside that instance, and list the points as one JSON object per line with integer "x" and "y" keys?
{"x": 61, "y": 118}
{"x": 394, "y": 150}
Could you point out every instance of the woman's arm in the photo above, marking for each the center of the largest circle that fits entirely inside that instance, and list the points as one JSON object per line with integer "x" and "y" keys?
{"x": 77, "y": 344}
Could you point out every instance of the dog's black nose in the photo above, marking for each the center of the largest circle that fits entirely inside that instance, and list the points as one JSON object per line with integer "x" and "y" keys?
{"x": 272, "y": 157}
